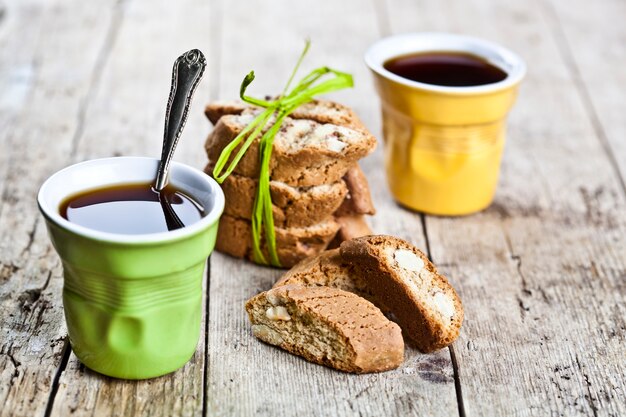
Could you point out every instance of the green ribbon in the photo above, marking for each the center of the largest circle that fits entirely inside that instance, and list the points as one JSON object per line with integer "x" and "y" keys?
{"x": 277, "y": 110}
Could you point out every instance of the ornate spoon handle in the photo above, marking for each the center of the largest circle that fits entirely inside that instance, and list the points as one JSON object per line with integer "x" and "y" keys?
{"x": 186, "y": 75}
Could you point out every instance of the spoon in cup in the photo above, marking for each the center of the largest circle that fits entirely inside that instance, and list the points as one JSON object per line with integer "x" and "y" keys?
{"x": 186, "y": 75}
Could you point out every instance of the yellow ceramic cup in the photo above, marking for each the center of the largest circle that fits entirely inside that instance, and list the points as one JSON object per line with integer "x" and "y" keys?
{"x": 443, "y": 145}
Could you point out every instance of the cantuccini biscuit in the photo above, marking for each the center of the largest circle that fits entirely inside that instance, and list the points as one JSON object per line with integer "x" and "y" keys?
{"x": 293, "y": 244}
{"x": 358, "y": 200}
{"x": 321, "y": 111}
{"x": 327, "y": 326}
{"x": 327, "y": 269}
{"x": 304, "y": 206}
{"x": 422, "y": 301}
{"x": 292, "y": 206}
{"x": 304, "y": 153}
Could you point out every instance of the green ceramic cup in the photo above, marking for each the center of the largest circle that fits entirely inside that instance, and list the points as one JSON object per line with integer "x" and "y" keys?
{"x": 133, "y": 303}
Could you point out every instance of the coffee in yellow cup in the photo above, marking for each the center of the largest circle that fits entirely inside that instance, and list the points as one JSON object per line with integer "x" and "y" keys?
{"x": 444, "y": 135}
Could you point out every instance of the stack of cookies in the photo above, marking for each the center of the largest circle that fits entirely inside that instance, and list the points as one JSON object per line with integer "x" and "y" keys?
{"x": 331, "y": 309}
{"x": 319, "y": 193}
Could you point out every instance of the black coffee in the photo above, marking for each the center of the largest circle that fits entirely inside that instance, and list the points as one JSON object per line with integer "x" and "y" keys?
{"x": 446, "y": 69}
{"x": 132, "y": 209}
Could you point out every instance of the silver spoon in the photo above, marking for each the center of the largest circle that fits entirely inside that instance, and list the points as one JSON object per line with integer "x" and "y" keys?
{"x": 186, "y": 75}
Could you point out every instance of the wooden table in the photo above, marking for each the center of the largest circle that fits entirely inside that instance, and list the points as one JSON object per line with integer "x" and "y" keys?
{"x": 542, "y": 272}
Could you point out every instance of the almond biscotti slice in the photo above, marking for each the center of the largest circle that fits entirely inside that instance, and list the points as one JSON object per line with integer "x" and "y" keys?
{"x": 321, "y": 111}
{"x": 327, "y": 269}
{"x": 359, "y": 199}
{"x": 292, "y": 206}
{"x": 293, "y": 244}
{"x": 327, "y": 326}
{"x": 304, "y": 153}
{"x": 422, "y": 301}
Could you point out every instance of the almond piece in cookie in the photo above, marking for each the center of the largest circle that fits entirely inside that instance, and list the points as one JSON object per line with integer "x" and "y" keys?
{"x": 422, "y": 301}
{"x": 327, "y": 326}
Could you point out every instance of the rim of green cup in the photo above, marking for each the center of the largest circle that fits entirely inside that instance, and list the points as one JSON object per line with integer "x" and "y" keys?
{"x": 203, "y": 190}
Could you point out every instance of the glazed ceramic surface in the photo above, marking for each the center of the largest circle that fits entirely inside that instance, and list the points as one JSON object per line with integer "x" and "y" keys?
{"x": 133, "y": 303}
{"x": 443, "y": 145}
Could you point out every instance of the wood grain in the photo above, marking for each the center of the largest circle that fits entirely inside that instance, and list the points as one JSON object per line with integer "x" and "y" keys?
{"x": 56, "y": 60}
{"x": 247, "y": 377}
{"x": 124, "y": 116}
{"x": 126, "y": 113}
{"x": 542, "y": 271}
{"x": 592, "y": 44}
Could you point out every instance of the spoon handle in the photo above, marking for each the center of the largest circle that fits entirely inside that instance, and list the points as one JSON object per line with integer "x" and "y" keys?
{"x": 186, "y": 75}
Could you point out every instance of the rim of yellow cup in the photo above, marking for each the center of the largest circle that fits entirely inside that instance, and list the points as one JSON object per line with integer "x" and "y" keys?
{"x": 408, "y": 43}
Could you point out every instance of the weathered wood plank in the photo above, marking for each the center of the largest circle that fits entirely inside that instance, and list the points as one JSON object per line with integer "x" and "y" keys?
{"x": 58, "y": 56}
{"x": 125, "y": 116}
{"x": 247, "y": 377}
{"x": 127, "y": 113}
{"x": 542, "y": 272}
{"x": 16, "y": 56}
{"x": 19, "y": 67}
{"x": 591, "y": 41}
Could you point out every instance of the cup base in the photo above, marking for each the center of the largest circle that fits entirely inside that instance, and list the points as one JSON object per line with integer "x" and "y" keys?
{"x": 117, "y": 372}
